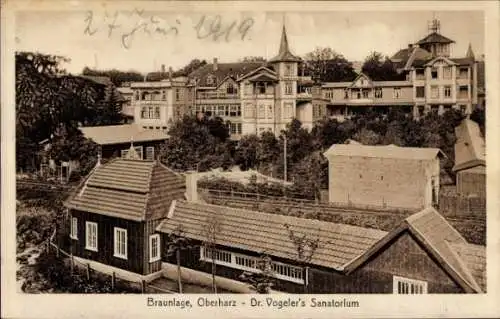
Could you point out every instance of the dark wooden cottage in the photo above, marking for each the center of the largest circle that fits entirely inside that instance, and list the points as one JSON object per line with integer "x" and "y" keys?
{"x": 115, "y": 212}
{"x": 425, "y": 254}
{"x": 114, "y": 140}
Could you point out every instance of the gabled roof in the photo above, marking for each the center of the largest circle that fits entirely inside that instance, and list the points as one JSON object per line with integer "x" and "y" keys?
{"x": 120, "y": 134}
{"x": 440, "y": 240}
{"x": 265, "y": 68}
{"x": 463, "y": 61}
{"x": 440, "y": 58}
{"x": 284, "y": 54}
{"x": 130, "y": 189}
{"x": 264, "y": 232}
{"x": 234, "y": 70}
{"x": 470, "y": 149}
{"x": 414, "y": 56}
{"x": 435, "y": 37}
{"x": 362, "y": 75}
{"x": 383, "y": 151}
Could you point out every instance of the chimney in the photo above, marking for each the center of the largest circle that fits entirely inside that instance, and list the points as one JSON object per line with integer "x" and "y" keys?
{"x": 216, "y": 67}
{"x": 191, "y": 186}
{"x": 163, "y": 68}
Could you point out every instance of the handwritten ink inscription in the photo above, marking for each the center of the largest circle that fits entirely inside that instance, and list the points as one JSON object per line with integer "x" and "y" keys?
{"x": 126, "y": 26}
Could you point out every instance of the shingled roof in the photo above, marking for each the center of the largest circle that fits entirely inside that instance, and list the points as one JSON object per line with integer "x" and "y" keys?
{"x": 258, "y": 232}
{"x": 469, "y": 147}
{"x": 463, "y": 262}
{"x": 413, "y": 56}
{"x": 222, "y": 71}
{"x": 130, "y": 189}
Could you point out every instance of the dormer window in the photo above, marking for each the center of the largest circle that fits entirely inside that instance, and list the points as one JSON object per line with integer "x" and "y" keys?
{"x": 210, "y": 79}
{"x": 230, "y": 89}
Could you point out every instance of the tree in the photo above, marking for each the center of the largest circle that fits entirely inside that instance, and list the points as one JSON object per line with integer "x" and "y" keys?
{"x": 246, "y": 152}
{"x": 326, "y": 65}
{"x": 380, "y": 68}
{"x": 192, "y": 66}
{"x": 261, "y": 281}
{"x": 176, "y": 243}
{"x": 305, "y": 248}
{"x": 268, "y": 150}
{"x": 311, "y": 174}
{"x": 210, "y": 231}
{"x": 118, "y": 77}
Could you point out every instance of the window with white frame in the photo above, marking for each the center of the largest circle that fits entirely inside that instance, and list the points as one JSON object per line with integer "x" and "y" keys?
{"x": 447, "y": 72}
{"x": 397, "y": 93}
{"x": 150, "y": 152}
{"x": 447, "y": 91}
{"x": 91, "y": 236}
{"x": 288, "y": 88}
{"x": 378, "y": 93}
{"x": 120, "y": 243}
{"x": 74, "y": 228}
{"x": 407, "y": 286}
{"x": 154, "y": 248}
{"x": 249, "y": 263}
{"x": 346, "y": 94}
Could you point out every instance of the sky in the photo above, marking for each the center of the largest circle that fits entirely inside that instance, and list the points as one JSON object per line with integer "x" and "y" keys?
{"x": 172, "y": 39}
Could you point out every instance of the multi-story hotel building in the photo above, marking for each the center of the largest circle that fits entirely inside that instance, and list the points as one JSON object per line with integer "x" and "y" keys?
{"x": 433, "y": 81}
{"x": 254, "y": 97}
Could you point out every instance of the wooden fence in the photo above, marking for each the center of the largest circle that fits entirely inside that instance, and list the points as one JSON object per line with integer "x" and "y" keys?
{"x": 74, "y": 263}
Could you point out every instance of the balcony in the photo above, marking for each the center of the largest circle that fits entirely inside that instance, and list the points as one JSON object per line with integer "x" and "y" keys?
{"x": 304, "y": 96}
{"x": 217, "y": 96}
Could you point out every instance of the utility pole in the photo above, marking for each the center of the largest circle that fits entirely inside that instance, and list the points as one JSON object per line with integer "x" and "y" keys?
{"x": 284, "y": 157}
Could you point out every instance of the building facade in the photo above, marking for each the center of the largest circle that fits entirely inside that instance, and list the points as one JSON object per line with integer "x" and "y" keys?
{"x": 384, "y": 177}
{"x": 432, "y": 80}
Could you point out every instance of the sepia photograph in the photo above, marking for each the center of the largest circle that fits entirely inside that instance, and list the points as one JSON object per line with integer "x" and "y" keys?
{"x": 186, "y": 155}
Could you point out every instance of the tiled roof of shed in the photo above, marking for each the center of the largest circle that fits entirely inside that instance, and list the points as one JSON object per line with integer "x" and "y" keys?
{"x": 383, "y": 151}
{"x": 129, "y": 189}
{"x": 263, "y": 232}
{"x": 120, "y": 134}
{"x": 474, "y": 257}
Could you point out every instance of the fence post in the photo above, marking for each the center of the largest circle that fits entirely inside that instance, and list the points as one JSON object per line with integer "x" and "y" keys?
{"x": 143, "y": 286}
{"x": 113, "y": 279}
{"x": 88, "y": 271}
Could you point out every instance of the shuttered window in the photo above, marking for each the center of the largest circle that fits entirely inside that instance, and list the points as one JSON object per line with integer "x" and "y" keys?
{"x": 120, "y": 243}
{"x": 91, "y": 236}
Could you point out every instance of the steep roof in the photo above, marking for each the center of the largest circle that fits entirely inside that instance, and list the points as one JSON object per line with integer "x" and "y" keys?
{"x": 120, "y": 134}
{"x": 263, "y": 232}
{"x": 383, "y": 151}
{"x": 129, "y": 189}
{"x": 435, "y": 37}
{"x": 224, "y": 70}
{"x": 444, "y": 243}
{"x": 414, "y": 56}
{"x": 470, "y": 52}
{"x": 284, "y": 54}
{"x": 470, "y": 149}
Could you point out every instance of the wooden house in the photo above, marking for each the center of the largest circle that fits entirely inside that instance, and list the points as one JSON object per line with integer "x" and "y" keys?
{"x": 115, "y": 212}
{"x": 425, "y": 254}
{"x": 470, "y": 159}
{"x": 114, "y": 140}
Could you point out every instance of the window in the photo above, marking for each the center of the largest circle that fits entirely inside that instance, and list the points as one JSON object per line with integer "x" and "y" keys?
{"x": 270, "y": 112}
{"x": 420, "y": 74}
{"x": 143, "y": 113}
{"x": 406, "y": 286}
{"x": 463, "y": 92}
{"x": 262, "y": 110}
{"x": 288, "y": 110}
{"x": 177, "y": 94}
{"x": 435, "y": 92}
{"x": 74, "y": 228}
{"x": 157, "y": 112}
{"x": 288, "y": 88}
{"x": 261, "y": 88}
{"x": 420, "y": 91}
{"x": 346, "y": 94}
{"x": 154, "y": 248}
{"x": 163, "y": 95}
{"x": 447, "y": 72}
{"x": 288, "y": 69}
{"x": 91, "y": 236}
{"x": 120, "y": 243}
{"x": 150, "y": 152}
{"x": 463, "y": 73}
{"x": 329, "y": 94}
{"x": 378, "y": 93}
{"x": 248, "y": 89}
{"x": 235, "y": 110}
{"x": 397, "y": 93}
{"x": 230, "y": 89}
{"x": 358, "y": 94}
{"x": 137, "y": 95}
{"x": 434, "y": 73}
{"x": 249, "y": 111}
{"x": 447, "y": 91}
{"x": 221, "y": 110}
{"x": 365, "y": 94}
